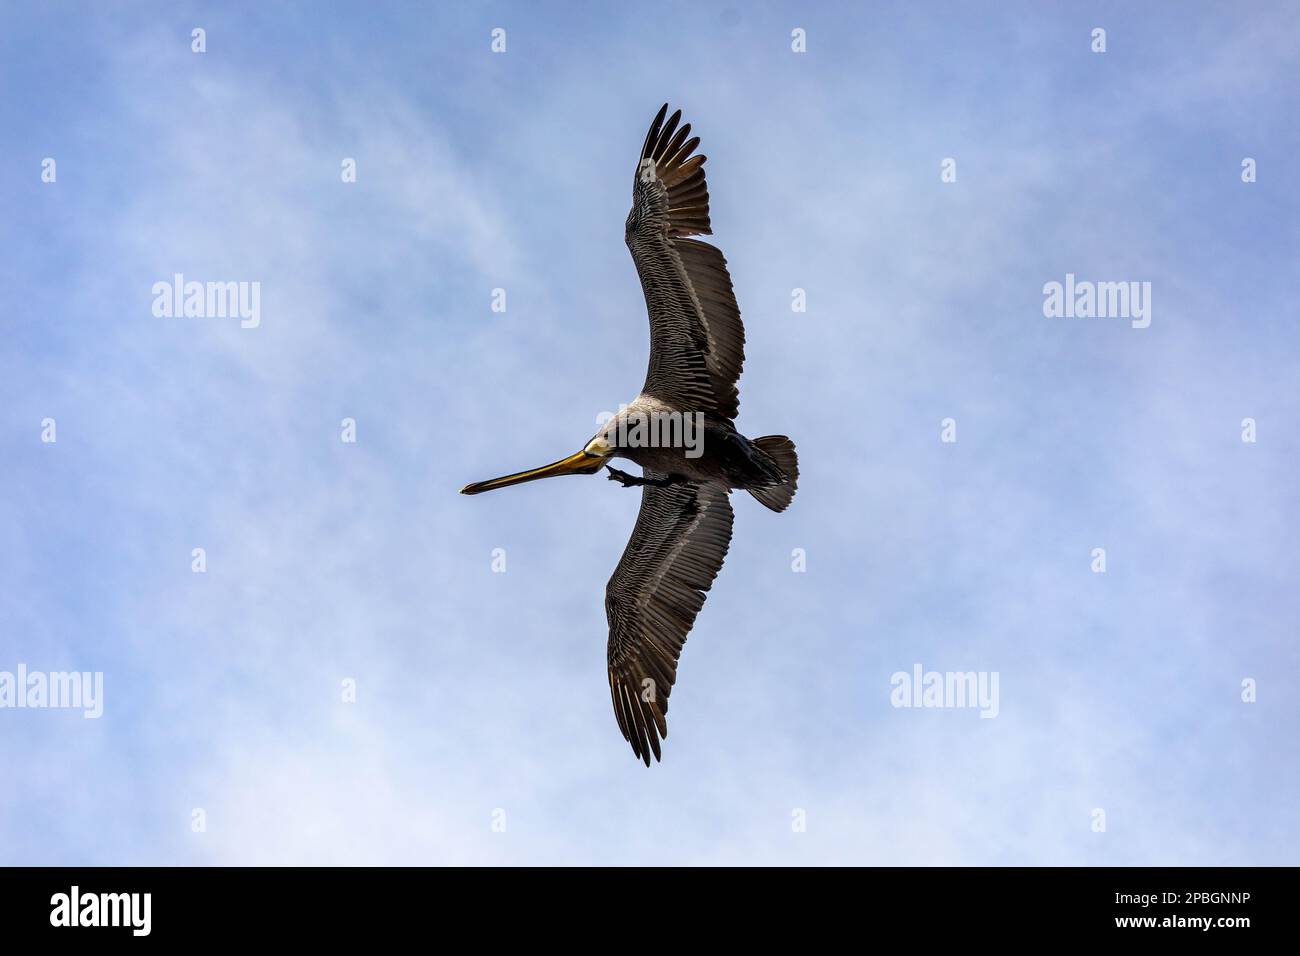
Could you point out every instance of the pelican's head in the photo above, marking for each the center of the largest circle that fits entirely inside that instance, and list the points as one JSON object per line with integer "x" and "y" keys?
{"x": 586, "y": 462}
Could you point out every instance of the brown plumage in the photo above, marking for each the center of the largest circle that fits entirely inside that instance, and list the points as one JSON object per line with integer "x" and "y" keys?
{"x": 697, "y": 351}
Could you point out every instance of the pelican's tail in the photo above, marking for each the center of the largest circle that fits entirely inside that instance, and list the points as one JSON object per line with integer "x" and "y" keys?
{"x": 780, "y": 450}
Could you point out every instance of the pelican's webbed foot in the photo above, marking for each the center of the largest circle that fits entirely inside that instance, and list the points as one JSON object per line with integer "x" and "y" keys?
{"x": 623, "y": 478}
{"x": 631, "y": 481}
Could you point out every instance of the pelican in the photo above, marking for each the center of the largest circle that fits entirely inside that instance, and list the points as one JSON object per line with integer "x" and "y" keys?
{"x": 697, "y": 348}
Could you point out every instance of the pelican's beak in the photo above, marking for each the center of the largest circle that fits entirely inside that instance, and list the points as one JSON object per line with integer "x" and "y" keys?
{"x": 580, "y": 464}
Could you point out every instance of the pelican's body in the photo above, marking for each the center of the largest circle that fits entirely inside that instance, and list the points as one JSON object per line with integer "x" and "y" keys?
{"x": 680, "y": 430}
{"x": 710, "y": 449}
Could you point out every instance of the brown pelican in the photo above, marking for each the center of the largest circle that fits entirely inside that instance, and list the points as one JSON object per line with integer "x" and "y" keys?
{"x": 680, "y": 431}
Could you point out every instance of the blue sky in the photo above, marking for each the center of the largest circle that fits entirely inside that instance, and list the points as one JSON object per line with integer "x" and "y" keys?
{"x": 481, "y": 691}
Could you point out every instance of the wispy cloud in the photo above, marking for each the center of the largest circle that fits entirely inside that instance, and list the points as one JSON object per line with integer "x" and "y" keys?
{"x": 480, "y": 692}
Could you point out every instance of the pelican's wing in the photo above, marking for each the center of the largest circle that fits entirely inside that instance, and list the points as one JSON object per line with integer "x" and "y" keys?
{"x": 677, "y": 547}
{"x": 697, "y": 341}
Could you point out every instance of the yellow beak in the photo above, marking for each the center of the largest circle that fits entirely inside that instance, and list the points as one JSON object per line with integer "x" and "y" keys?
{"x": 579, "y": 464}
